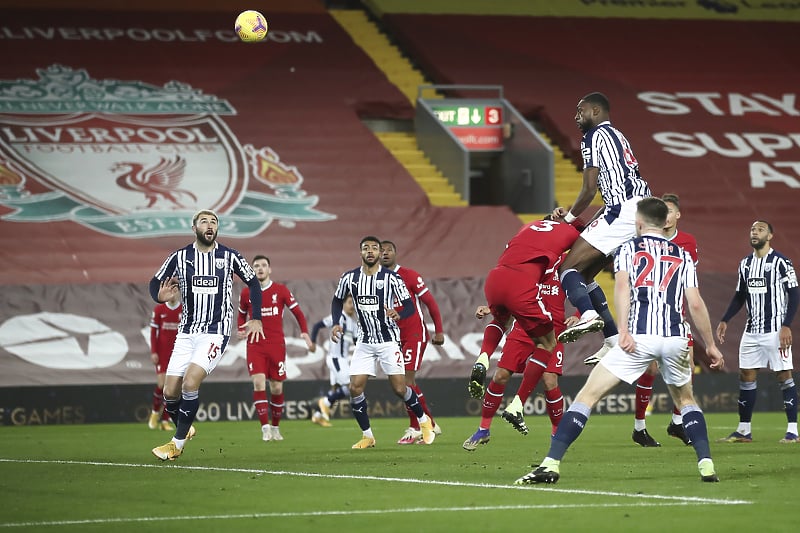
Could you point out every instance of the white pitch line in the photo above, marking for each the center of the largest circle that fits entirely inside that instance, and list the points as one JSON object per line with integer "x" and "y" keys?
{"x": 117, "y": 520}
{"x": 678, "y": 499}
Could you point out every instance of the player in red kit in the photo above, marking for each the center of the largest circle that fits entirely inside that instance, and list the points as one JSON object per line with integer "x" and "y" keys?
{"x": 512, "y": 290}
{"x": 164, "y": 322}
{"x": 266, "y": 358}
{"x": 414, "y": 335}
{"x": 517, "y": 355}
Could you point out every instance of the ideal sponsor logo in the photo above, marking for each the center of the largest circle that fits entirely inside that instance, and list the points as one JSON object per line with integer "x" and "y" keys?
{"x": 135, "y": 160}
{"x": 205, "y": 284}
{"x": 367, "y": 299}
{"x": 756, "y": 282}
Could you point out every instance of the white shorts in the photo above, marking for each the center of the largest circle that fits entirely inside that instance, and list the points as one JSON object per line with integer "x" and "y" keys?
{"x": 672, "y": 354}
{"x": 339, "y": 368}
{"x": 613, "y": 228}
{"x": 203, "y": 349}
{"x": 367, "y": 355}
{"x": 762, "y": 350}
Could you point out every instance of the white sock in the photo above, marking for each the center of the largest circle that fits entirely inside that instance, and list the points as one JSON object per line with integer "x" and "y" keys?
{"x": 791, "y": 427}
{"x": 639, "y": 425}
{"x": 677, "y": 419}
{"x": 368, "y": 433}
{"x": 743, "y": 428}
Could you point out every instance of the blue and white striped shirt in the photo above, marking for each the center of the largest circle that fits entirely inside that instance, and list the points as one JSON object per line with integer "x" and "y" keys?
{"x": 206, "y": 284}
{"x": 607, "y": 149}
{"x": 658, "y": 271}
{"x": 764, "y": 283}
{"x": 371, "y": 296}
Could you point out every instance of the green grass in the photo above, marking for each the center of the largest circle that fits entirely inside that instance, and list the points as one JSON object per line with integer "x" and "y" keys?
{"x": 99, "y": 477}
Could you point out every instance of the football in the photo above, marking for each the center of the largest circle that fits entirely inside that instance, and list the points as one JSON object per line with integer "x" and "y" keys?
{"x": 251, "y": 26}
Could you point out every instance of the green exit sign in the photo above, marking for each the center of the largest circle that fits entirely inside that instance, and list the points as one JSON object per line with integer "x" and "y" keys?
{"x": 468, "y": 115}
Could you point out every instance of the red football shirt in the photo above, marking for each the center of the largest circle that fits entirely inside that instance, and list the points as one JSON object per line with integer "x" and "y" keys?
{"x": 164, "y": 324}
{"x": 274, "y": 297}
{"x": 685, "y": 241}
{"x": 539, "y": 239}
{"x": 415, "y": 324}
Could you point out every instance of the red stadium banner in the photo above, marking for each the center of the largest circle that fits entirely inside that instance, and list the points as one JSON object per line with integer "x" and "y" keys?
{"x": 708, "y": 116}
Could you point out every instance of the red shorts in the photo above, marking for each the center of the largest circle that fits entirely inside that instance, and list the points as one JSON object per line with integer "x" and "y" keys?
{"x": 413, "y": 351}
{"x": 517, "y": 351}
{"x": 163, "y": 362}
{"x": 515, "y": 292}
{"x": 267, "y": 359}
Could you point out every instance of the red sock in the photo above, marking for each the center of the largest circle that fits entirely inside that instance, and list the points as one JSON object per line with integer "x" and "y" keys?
{"x": 276, "y": 406}
{"x": 491, "y": 403}
{"x": 534, "y": 368}
{"x": 261, "y": 405}
{"x": 644, "y": 389}
{"x": 491, "y": 338}
{"x": 555, "y": 406}
{"x": 158, "y": 398}
{"x": 423, "y": 403}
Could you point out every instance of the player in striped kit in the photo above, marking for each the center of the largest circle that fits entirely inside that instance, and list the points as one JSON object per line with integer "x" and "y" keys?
{"x": 337, "y": 361}
{"x": 644, "y": 385}
{"x": 203, "y": 274}
{"x": 610, "y": 167}
{"x": 652, "y": 277}
{"x": 414, "y": 335}
{"x": 768, "y": 285}
{"x": 266, "y": 358}
{"x": 376, "y": 291}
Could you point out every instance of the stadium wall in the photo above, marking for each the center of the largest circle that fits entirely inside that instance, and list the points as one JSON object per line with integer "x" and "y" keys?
{"x": 223, "y": 401}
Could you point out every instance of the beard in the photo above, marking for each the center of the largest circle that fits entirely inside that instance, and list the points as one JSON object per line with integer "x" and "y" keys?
{"x": 371, "y": 263}
{"x": 758, "y": 244}
{"x": 201, "y": 237}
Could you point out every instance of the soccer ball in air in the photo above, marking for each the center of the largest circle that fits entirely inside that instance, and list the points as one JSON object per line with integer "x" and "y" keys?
{"x": 251, "y": 26}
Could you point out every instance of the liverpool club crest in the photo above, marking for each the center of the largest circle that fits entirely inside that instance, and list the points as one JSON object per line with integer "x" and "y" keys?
{"x": 135, "y": 160}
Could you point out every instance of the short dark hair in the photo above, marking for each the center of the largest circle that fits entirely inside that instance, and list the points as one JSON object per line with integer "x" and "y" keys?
{"x": 672, "y": 198}
{"x": 769, "y": 226}
{"x": 264, "y": 257}
{"x": 369, "y": 238}
{"x": 598, "y": 99}
{"x": 390, "y": 243}
{"x": 653, "y": 210}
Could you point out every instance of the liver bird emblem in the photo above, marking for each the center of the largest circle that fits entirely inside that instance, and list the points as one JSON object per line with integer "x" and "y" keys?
{"x": 159, "y": 183}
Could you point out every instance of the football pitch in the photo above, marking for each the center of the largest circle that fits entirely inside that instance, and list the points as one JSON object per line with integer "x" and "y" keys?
{"x": 103, "y": 477}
